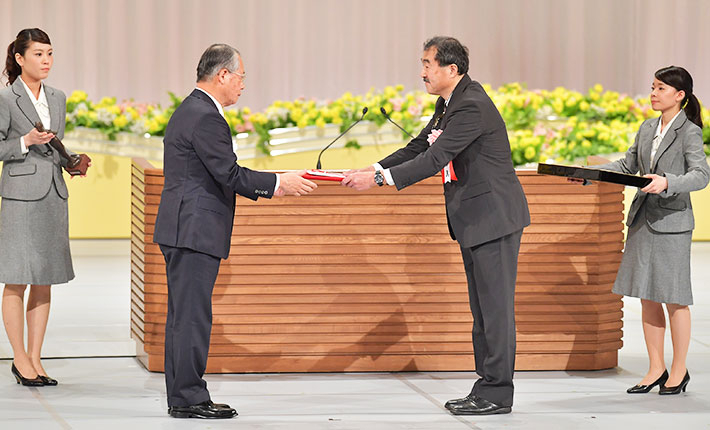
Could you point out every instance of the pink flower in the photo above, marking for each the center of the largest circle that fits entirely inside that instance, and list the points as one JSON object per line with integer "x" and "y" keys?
{"x": 539, "y": 130}
{"x": 396, "y": 104}
{"x": 414, "y": 110}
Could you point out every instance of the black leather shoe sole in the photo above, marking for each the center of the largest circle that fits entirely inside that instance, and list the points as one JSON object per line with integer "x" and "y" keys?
{"x": 498, "y": 411}
{"x": 185, "y": 414}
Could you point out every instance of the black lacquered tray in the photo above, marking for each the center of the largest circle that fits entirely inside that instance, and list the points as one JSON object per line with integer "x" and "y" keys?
{"x": 593, "y": 174}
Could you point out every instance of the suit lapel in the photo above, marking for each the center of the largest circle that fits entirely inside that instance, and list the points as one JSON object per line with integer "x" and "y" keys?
{"x": 24, "y": 102}
{"x": 669, "y": 138}
{"x": 646, "y": 145}
{"x": 55, "y": 110}
{"x": 463, "y": 83}
{"x": 439, "y": 112}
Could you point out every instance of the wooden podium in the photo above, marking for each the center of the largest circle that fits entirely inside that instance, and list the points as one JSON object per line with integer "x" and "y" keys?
{"x": 340, "y": 280}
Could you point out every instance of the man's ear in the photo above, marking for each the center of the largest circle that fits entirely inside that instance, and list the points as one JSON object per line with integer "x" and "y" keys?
{"x": 221, "y": 75}
{"x": 454, "y": 70}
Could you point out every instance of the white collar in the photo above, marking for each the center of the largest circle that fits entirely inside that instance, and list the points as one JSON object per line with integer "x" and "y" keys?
{"x": 216, "y": 103}
{"x": 42, "y": 99}
{"x": 660, "y": 133}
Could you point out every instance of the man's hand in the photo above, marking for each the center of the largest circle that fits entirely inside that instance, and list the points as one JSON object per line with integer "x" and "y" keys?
{"x": 293, "y": 184}
{"x": 360, "y": 180}
{"x": 364, "y": 169}
{"x": 658, "y": 184}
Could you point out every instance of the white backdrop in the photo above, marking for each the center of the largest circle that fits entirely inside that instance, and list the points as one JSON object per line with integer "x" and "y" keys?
{"x": 142, "y": 49}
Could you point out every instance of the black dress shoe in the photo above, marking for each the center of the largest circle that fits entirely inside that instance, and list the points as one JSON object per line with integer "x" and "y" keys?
{"x": 455, "y": 402}
{"x": 35, "y": 382}
{"x": 203, "y": 410}
{"x": 475, "y": 405}
{"x": 640, "y": 389}
{"x": 678, "y": 388}
{"x": 48, "y": 381}
{"x": 216, "y": 405}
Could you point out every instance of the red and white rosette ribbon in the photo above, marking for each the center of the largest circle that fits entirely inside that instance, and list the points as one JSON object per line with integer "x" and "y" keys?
{"x": 447, "y": 173}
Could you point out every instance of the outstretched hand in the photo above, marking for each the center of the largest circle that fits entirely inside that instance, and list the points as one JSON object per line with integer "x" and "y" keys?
{"x": 360, "y": 180}
{"x": 364, "y": 169}
{"x": 293, "y": 184}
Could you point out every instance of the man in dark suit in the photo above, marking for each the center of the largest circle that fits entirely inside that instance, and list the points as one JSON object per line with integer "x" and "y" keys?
{"x": 486, "y": 210}
{"x": 194, "y": 223}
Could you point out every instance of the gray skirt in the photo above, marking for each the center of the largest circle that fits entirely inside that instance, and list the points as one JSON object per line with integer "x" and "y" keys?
{"x": 655, "y": 266}
{"x": 34, "y": 241}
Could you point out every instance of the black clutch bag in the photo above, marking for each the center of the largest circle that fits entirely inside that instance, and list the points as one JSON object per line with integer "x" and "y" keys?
{"x": 593, "y": 174}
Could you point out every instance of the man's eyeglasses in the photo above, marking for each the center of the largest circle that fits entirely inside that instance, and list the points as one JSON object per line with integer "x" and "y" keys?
{"x": 242, "y": 76}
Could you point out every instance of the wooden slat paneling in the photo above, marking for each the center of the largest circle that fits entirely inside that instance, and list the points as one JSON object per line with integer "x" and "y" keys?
{"x": 346, "y": 281}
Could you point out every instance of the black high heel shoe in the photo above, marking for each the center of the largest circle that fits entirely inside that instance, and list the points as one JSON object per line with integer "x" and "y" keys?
{"x": 678, "y": 388}
{"x": 47, "y": 381}
{"x": 641, "y": 389}
{"x": 35, "y": 382}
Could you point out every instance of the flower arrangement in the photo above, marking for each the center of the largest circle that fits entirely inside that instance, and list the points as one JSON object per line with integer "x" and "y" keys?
{"x": 560, "y": 125}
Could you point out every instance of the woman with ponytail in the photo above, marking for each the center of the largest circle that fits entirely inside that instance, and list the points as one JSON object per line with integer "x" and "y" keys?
{"x": 655, "y": 266}
{"x": 34, "y": 233}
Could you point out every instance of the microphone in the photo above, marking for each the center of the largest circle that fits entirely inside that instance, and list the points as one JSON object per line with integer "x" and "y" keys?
{"x": 364, "y": 111}
{"x": 384, "y": 112}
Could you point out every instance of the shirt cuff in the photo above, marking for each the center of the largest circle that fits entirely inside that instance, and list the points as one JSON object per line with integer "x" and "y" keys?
{"x": 388, "y": 176}
{"x": 23, "y": 147}
{"x": 377, "y": 166}
{"x": 278, "y": 182}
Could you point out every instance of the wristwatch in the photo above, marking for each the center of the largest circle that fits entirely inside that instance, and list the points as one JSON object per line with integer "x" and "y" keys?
{"x": 379, "y": 178}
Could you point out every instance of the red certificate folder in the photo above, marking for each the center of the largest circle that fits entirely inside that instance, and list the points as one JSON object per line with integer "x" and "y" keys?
{"x": 323, "y": 175}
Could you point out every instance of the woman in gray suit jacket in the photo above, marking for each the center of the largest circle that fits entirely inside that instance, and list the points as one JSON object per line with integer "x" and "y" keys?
{"x": 656, "y": 262}
{"x": 34, "y": 233}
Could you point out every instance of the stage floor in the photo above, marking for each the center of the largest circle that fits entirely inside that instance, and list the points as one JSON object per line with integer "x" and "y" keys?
{"x": 108, "y": 389}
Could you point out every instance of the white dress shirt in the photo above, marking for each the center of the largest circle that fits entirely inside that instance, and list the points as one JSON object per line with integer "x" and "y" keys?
{"x": 41, "y": 106}
{"x": 660, "y": 134}
{"x": 221, "y": 112}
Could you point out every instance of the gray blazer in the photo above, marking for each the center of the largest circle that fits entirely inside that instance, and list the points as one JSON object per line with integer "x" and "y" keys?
{"x": 29, "y": 176}
{"x": 680, "y": 158}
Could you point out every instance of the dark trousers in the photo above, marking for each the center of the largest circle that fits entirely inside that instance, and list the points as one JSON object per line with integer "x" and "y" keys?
{"x": 491, "y": 269}
{"x": 191, "y": 278}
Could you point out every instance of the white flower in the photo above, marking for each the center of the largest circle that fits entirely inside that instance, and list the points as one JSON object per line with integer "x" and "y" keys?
{"x": 139, "y": 127}
{"x": 104, "y": 116}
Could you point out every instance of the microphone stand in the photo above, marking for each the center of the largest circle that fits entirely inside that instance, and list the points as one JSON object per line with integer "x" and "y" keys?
{"x": 364, "y": 111}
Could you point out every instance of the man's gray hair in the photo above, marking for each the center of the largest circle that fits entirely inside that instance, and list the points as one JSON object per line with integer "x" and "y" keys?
{"x": 215, "y": 58}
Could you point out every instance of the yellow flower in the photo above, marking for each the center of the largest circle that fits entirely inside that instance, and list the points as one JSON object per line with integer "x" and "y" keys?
{"x": 302, "y": 123}
{"x": 558, "y": 105}
{"x": 530, "y": 152}
{"x": 246, "y": 110}
{"x": 320, "y": 122}
{"x": 584, "y": 106}
{"x": 120, "y": 121}
{"x": 133, "y": 113}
